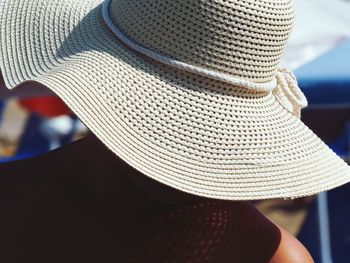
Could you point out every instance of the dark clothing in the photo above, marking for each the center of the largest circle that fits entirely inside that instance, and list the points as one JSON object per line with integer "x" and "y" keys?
{"x": 82, "y": 204}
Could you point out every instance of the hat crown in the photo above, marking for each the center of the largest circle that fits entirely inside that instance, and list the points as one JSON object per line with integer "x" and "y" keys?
{"x": 243, "y": 38}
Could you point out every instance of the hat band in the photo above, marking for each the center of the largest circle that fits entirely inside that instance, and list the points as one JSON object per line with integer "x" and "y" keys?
{"x": 284, "y": 85}
{"x": 227, "y": 78}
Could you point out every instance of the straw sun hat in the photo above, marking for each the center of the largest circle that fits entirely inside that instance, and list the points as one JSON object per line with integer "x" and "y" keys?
{"x": 186, "y": 91}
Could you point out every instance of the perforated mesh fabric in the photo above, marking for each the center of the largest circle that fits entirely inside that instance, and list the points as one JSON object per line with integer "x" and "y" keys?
{"x": 203, "y": 231}
{"x": 241, "y": 38}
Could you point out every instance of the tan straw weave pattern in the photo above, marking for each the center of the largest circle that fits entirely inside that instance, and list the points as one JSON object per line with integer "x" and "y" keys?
{"x": 242, "y": 38}
{"x": 193, "y": 133}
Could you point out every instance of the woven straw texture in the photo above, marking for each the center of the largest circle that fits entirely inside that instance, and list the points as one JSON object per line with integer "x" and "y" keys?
{"x": 242, "y": 38}
{"x": 193, "y": 133}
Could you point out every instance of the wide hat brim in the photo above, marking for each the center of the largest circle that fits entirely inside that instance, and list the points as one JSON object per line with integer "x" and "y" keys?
{"x": 192, "y": 133}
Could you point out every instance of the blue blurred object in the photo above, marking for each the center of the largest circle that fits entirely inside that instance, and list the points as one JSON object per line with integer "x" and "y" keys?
{"x": 36, "y": 139}
{"x": 326, "y": 80}
{"x": 2, "y": 107}
{"x": 32, "y": 142}
{"x": 326, "y": 83}
{"x": 338, "y": 204}
{"x": 342, "y": 144}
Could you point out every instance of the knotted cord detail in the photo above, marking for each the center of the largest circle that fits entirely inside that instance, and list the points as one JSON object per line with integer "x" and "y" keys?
{"x": 288, "y": 92}
{"x": 284, "y": 86}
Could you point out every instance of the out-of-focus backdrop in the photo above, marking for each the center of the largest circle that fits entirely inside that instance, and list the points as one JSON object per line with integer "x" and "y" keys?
{"x": 319, "y": 26}
{"x": 318, "y": 52}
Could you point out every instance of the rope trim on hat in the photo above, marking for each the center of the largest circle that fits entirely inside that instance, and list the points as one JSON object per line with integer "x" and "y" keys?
{"x": 179, "y": 64}
{"x": 284, "y": 85}
{"x": 288, "y": 93}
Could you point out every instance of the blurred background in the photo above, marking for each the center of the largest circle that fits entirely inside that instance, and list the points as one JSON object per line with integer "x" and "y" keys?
{"x": 319, "y": 54}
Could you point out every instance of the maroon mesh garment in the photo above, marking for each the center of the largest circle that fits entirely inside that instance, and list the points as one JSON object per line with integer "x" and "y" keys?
{"x": 82, "y": 204}
{"x": 203, "y": 231}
